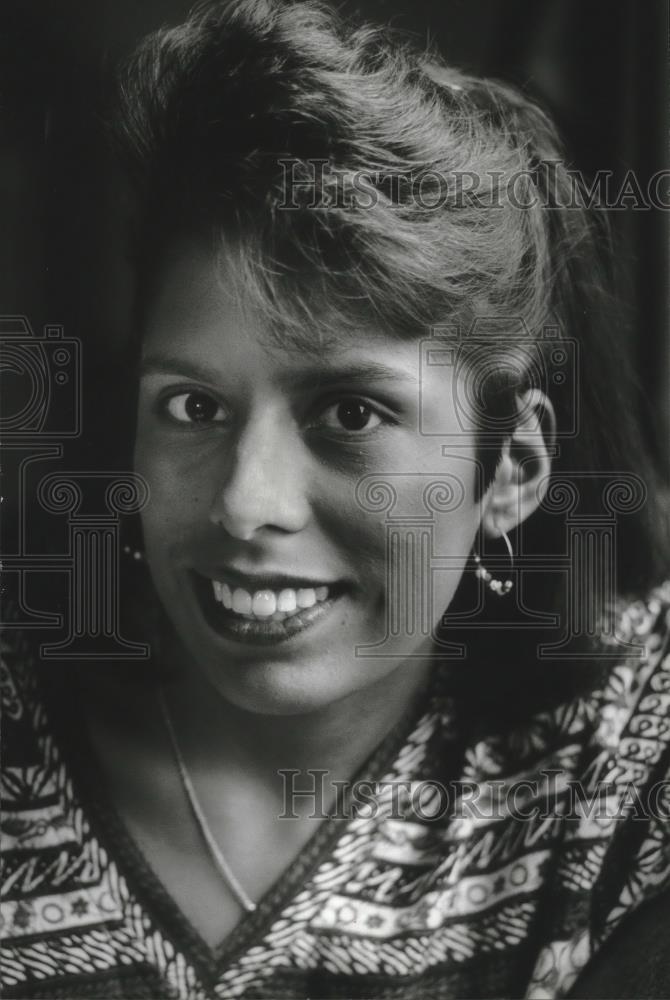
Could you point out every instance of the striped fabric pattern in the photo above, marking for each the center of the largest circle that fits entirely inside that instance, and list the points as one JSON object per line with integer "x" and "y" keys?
{"x": 487, "y": 901}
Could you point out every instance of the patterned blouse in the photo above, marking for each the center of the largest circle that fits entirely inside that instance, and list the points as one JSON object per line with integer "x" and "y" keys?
{"x": 555, "y": 830}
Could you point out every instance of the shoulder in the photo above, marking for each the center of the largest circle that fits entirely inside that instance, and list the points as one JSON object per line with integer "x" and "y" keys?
{"x": 633, "y": 723}
{"x": 612, "y": 861}
{"x": 21, "y": 705}
{"x": 39, "y": 825}
{"x": 624, "y": 790}
{"x": 31, "y": 769}
{"x": 629, "y": 709}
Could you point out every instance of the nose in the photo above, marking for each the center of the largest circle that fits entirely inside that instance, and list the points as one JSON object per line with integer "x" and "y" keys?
{"x": 262, "y": 482}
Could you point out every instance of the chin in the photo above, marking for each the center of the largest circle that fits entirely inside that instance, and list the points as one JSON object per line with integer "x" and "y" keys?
{"x": 271, "y": 687}
{"x": 289, "y": 667}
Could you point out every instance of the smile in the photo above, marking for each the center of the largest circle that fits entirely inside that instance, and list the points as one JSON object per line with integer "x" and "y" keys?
{"x": 264, "y": 604}
{"x": 265, "y": 614}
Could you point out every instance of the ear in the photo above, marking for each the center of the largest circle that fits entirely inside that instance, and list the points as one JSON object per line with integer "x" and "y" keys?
{"x": 522, "y": 476}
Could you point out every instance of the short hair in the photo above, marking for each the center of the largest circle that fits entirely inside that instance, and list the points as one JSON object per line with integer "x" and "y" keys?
{"x": 218, "y": 111}
{"x": 467, "y": 209}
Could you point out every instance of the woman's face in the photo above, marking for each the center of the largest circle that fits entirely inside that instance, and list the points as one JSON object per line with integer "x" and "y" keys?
{"x": 253, "y": 454}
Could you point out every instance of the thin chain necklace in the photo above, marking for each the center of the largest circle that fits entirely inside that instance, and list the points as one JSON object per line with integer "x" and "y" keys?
{"x": 215, "y": 851}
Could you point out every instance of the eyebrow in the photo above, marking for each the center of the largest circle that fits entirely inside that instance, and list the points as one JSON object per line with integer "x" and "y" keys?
{"x": 354, "y": 373}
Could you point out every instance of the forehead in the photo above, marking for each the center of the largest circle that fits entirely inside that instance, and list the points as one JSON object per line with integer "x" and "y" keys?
{"x": 204, "y": 305}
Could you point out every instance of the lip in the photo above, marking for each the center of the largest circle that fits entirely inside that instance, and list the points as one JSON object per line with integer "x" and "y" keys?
{"x": 266, "y": 580}
{"x": 230, "y": 626}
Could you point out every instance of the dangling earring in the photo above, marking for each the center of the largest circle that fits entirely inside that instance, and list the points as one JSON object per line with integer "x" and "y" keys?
{"x": 135, "y": 554}
{"x": 496, "y": 586}
{"x": 131, "y": 539}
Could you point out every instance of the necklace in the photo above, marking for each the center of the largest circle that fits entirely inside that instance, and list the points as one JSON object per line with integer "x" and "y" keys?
{"x": 215, "y": 851}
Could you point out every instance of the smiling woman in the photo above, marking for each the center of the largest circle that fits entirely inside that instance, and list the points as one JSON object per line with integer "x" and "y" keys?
{"x": 272, "y": 445}
{"x": 403, "y": 728}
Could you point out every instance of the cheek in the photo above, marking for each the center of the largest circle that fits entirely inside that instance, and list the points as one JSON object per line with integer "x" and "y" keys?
{"x": 360, "y": 533}
{"x": 178, "y": 493}
{"x": 455, "y": 509}
{"x": 454, "y": 534}
{"x": 382, "y": 523}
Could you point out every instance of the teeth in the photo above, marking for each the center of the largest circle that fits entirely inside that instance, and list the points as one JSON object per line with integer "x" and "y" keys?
{"x": 306, "y": 598}
{"x": 264, "y": 603}
{"x": 287, "y": 601}
{"x": 241, "y": 601}
{"x": 267, "y": 604}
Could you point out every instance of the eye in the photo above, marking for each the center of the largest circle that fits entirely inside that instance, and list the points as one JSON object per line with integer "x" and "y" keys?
{"x": 351, "y": 415}
{"x": 194, "y": 408}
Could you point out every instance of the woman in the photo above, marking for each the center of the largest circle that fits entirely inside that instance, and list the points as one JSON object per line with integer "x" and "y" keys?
{"x": 374, "y": 360}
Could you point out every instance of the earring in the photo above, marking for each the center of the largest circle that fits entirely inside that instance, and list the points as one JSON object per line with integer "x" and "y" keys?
{"x": 131, "y": 534}
{"x": 135, "y": 554}
{"x": 496, "y": 586}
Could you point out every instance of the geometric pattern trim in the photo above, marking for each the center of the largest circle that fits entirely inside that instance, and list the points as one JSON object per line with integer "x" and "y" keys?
{"x": 495, "y": 897}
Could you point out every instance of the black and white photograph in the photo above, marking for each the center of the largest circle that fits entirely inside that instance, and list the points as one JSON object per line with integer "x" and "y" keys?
{"x": 335, "y": 499}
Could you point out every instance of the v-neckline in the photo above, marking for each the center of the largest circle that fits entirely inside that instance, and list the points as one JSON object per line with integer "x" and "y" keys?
{"x": 90, "y": 787}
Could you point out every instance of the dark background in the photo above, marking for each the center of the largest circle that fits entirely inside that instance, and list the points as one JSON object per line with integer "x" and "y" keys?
{"x": 599, "y": 65}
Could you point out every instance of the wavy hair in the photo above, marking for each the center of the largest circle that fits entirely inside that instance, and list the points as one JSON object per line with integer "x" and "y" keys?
{"x": 350, "y": 178}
